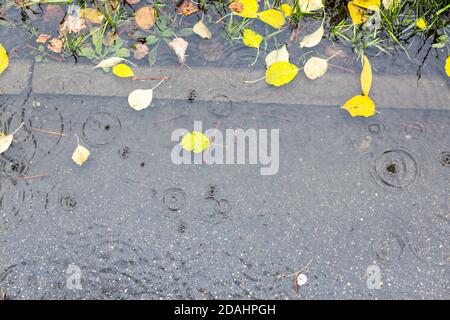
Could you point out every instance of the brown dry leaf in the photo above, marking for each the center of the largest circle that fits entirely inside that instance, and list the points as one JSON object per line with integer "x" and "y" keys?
{"x": 141, "y": 51}
{"x": 92, "y": 15}
{"x": 187, "y": 7}
{"x": 72, "y": 25}
{"x": 43, "y": 38}
{"x": 236, "y": 7}
{"x": 202, "y": 30}
{"x": 179, "y": 45}
{"x": 55, "y": 45}
{"x": 145, "y": 17}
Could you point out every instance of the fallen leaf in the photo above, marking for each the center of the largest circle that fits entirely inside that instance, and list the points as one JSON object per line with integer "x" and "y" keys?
{"x": 145, "y": 17}
{"x": 140, "y": 99}
{"x": 357, "y": 14}
{"x": 315, "y": 67}
{"x": 277, "y": 55}
{"x": 195, "y": 141}
{"x": 313, "y": 39}
{"x": 4, "y": 60}
{"x": 55, "y": 45}
{"x": 92, "y": 15}
{"x": 245, "y": 8}
{"x": 43, "y": 38}
{"x": 310, "y": 5}
{"x": 187, "y": 7}
{"x": 141, "y": 51}
{"x": 421, "y": 23}
{"x": 251, "y": 39}
{"x": 81, "y": 154}
{"x": 110, "y": 62}
{"x": 273, "y": 18}
{"x": 202, "y": 30}
{"x": 286, "y": 9}
{"x": 447, "y": 66}
{"x": 368, "y": 4}
{"x": 133, "y": 1}
{"x": 366, "y": 76}
{"x": 121, "y": 70}
{"x": 5, "y": 141}
{"x": 388, "y": 3}
{"x": 53, "y": 13}
{"x": 360, "y": 106}
{"x": 179, "y": 46}
{"x": 281, "y": 73}
{"x": 109, "y": 38}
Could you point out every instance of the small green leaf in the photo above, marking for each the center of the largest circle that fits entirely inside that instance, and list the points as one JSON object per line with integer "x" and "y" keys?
{"x": 186, "y": 32}
{"x": 167, "y": 33}
{"x": 152, "y": 55}
{"x": 123, "y": 53}
{"x": 151, "y": 40}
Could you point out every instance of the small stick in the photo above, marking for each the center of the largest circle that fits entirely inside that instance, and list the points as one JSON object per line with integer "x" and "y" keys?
{"x": 342, "y": 68}
{"x": 33, "y": 177}
{"x": 169, "y": 119}
{"x": 49, "y": 132}
{"x": 276, "y": 116}
{"x": 150, "y": 78}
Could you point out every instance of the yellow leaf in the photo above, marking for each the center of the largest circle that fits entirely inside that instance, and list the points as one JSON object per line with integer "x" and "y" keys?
{"x": 287, "y": 10}
{"x": 80, "y": 155}
{"x": 5, "y": 141}
{"x": 421, "y": 23}
{"x": 313, "y": 39}
{"x": 245, "y": 8}
{"x": 310, "y": 5}
{"x": 366, "y": 77}
{"x": 123, "y": 71}
{"x": 195, "y": 141}
{"x": 447, "y": 66}
{"x": 315, "y": 67}
{"x": 368, "y": 4}
{"x": 251, "y": 39}
{"x": 357, "y": 14}
{"x": 273, "y": 18}
{"x": 280, "y": 73}
{"x": 92, "y": 15}
{"x": 360, "y": 106}
{"x": 4, "y": 60}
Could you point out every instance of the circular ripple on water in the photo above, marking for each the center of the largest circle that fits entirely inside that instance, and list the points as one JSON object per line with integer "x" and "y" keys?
{"x": 220, "y": 105}
{"x": 13, "y": 162}
{"x": 445, "y": 158}
{"x": 15, "y": 204}
{"x": 174, "y": 199}
{"x": 101, "y": 128}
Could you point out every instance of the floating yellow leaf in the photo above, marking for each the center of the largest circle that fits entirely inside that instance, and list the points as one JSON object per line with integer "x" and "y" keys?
{"x": 5, "y": 141}
{"x": 245, "y": 8}
{"x": 315, "y": 67}
{"x": 4, "y": 60}
{"x": 366, "y": 76}
{"x": 92, "y": 15}
{"x": 81, "y": 154}
{"x": 195, "y": 141}
{"x": 277, "y": 55}
{"x": 313, "y": 39}
{"x": 421, "y": 23}
{"x": 310, "y": 5}
{"x": 123, "y": 71}
{"x": 368, "y": 4}
{"x": 447, "y": 66}
{"x": 360, "y": 106}
{"x": 357, "y": 14}
{"x": 251, "y": 39}
{"x": 280, "y": 73}
{"x": 287, "y": 10}
{"x": 273, "y": 18}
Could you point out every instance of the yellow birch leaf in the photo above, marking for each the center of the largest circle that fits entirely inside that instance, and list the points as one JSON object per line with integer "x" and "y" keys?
{"x": 421, "y": 23}
{"x": 287, "y": 10}
{"x": 357, "y": 14}
{"x": 273, "y": 18}
{"x": 245, "y": 8}
{"x": 123, "y": 71}
{"x": 5, "y": 141}
{"x": 251, "y": 39}
{"x": 281, "y": 73}
{"x": 4, "y": 60}
{"x": 360, "y": 106}
{"x": 368, "y": 4}
{"x": 366, "y": 77}
{"x": 92, "y": 15}
{"x": 80, "y": 155}
{"x": 195, "y": 141}
{"x": 447, "y": 66}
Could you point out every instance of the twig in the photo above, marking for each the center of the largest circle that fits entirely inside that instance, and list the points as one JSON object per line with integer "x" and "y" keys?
{"x": 49, "y": 132}
{"x": 342, "y": 68}
{"x": 275, "y": 116}
{"x": 33, "y": 177}
{"x": 170, "y": 119}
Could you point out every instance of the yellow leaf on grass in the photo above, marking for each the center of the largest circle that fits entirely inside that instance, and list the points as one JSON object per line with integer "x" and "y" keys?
{"x": 310, "y": 5}
{"x": 123, "y": 71}
{"x": 357, "y": 14}
{"x": 4, "y": 60}
{"x": 280, "y": 73}
{"x": 5, "y": 141}
{"x": 251, "y": 39}
{"x": 447, "y": 66}
{"x": 273, "y": 18}
{"x": 360, "y": 106}
{"x": 92, "y": 15}
{"x": 245, "y": 8}
{"x": 366, "y": 76}
{"x": 421, "y": 23}
{"x": 368, "y": 4}
{"x": 195, "y": 141}
{"x": 287, "y": 10}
